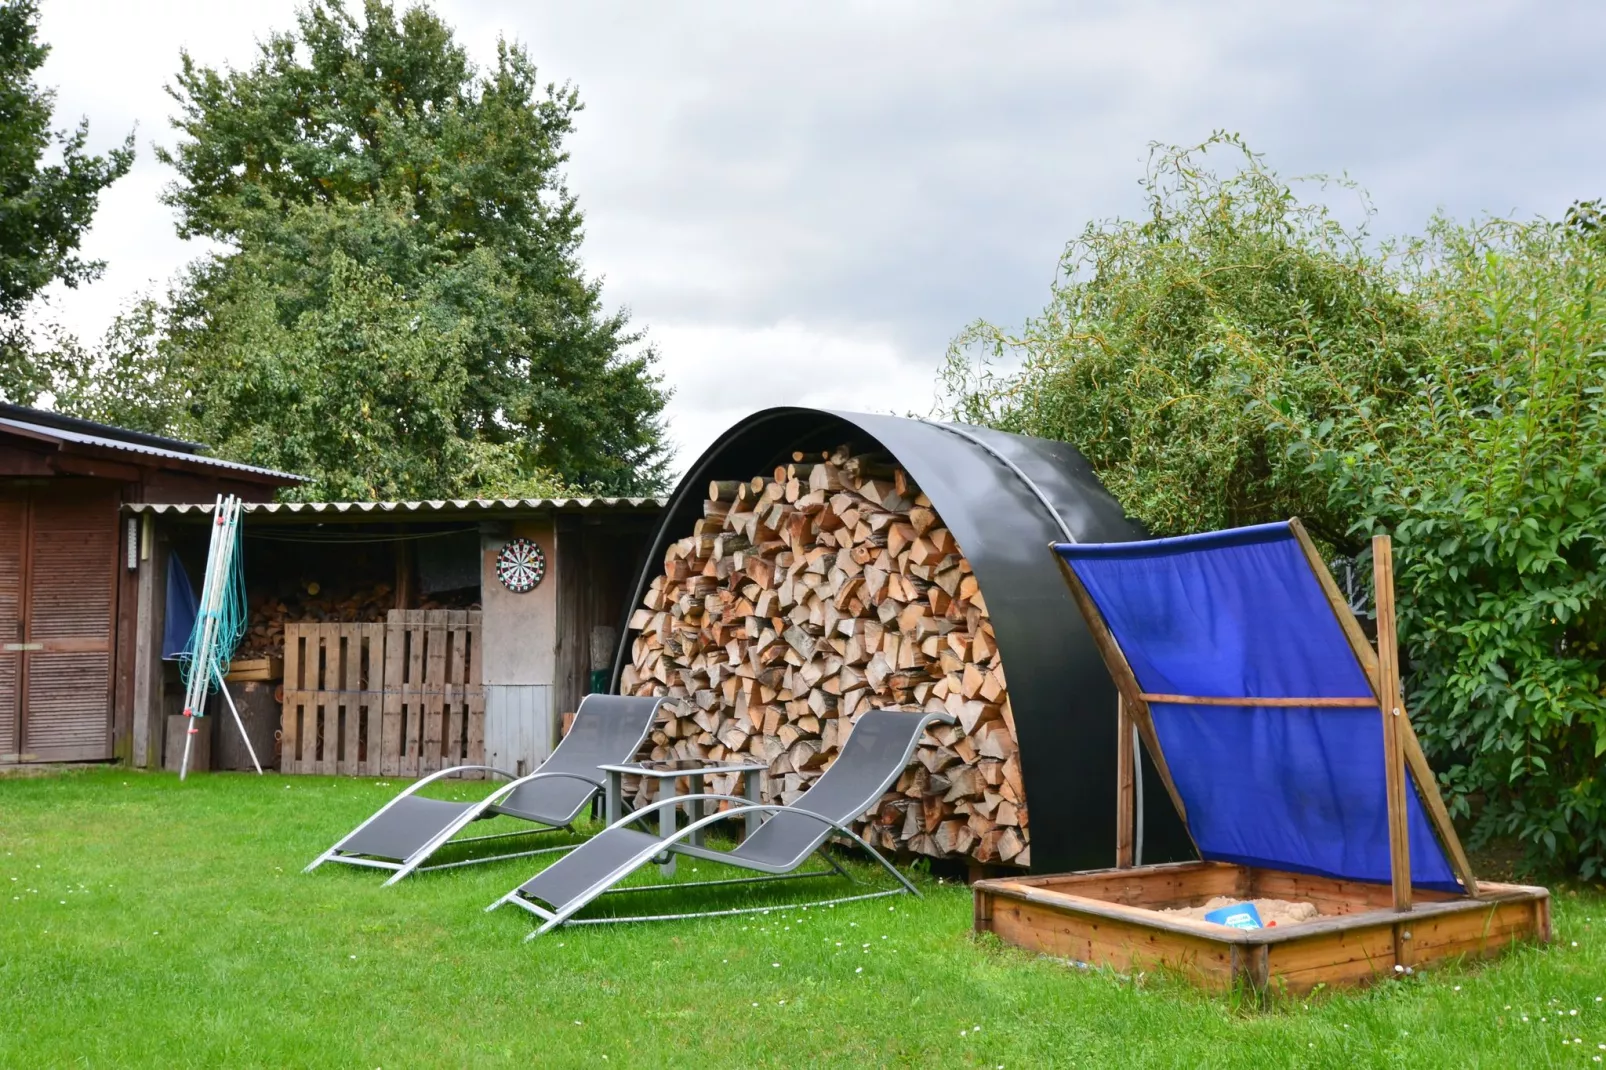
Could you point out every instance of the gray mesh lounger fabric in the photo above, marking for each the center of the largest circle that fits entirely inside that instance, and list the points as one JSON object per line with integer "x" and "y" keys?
{"x": 611, "y": 732}
{"x": 877, "y": 752}
{"x": 408, "y": 829}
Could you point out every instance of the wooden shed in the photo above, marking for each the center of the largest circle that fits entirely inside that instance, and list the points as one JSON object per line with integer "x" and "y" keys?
{"x": 69, "y": 566}
{"x": 392, "y": 638}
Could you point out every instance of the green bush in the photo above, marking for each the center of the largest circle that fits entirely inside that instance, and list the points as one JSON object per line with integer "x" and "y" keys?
{"x": 1238, "y": 356}
{"x": 1497, "y": 508}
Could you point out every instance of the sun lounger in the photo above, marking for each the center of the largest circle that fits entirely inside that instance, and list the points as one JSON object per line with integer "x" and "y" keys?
{"x": 882, "y": 743}
{"x": 406, "y": 831}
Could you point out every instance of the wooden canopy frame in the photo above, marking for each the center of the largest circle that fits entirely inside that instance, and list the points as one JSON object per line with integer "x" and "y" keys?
{"x": 1401, "y": 748}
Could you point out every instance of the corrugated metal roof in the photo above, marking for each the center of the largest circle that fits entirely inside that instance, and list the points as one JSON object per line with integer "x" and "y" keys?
{"x": 436, "y": 508}
{"x": 80, "y": 438}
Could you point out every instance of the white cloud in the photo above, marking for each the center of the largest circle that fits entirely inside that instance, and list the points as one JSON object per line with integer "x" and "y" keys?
{"x": 723, "y": 373}
{"x": 852, "y": 182}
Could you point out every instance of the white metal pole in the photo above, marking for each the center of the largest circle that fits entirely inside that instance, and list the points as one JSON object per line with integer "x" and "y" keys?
{"x": 228, "y": 698}
{"x": 211, "y": 599}
{"x": 200, "y": 651}
{"x": 235, "y": 507}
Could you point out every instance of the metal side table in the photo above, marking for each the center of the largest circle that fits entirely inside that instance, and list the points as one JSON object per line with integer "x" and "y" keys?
{"x": 668, "y": 773}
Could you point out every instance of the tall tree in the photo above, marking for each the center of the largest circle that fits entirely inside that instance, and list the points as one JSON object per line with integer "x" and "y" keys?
{"x": 44, "y": 208}
{"x": 370, "y": 155}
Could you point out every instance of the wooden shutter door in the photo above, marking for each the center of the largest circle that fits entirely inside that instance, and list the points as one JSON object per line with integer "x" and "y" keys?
{"x": 13, "y": 527}
{"x": 72, "y": 560}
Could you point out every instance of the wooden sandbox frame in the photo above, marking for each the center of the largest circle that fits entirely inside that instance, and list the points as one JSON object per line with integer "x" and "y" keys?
{"x": 1365, "y": 932}
{"x": 1112, "y": 918}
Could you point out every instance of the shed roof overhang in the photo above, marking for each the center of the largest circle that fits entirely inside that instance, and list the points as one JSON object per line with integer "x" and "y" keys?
{"x": 459, "y": 509}
{"x": 88, "y": 448}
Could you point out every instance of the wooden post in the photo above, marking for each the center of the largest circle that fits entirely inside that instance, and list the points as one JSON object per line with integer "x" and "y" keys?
{"x": 150, "y": 618}
{"x": 404, "y": 574}
{"x": 1388, "y": 687}
{"x": 1125, "y": 786}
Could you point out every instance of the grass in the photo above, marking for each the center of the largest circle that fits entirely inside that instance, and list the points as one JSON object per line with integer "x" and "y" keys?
{"x": 144, "y": 922}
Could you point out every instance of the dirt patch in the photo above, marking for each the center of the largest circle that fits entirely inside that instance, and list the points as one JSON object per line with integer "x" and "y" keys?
{"x": 1280, "y": 911}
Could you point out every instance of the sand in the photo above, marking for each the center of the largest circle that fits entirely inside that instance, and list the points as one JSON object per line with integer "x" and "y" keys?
{"x": 1280, "y": 911}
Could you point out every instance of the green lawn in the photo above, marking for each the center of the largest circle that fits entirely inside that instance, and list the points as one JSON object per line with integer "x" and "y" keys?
{"x": 145, "y": 922}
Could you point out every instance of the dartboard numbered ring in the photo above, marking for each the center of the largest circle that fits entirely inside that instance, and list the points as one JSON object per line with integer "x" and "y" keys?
{"x": 521, "y": 565}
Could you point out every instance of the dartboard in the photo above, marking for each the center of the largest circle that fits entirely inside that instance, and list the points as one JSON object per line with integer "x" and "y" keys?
{"x": 520, "y": 565}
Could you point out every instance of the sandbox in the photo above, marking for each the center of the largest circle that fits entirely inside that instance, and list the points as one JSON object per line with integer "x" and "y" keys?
{"x": 1115, "y": 918}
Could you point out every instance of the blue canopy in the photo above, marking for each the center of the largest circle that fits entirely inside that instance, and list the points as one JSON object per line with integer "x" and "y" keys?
{"x": 1240, "y": 614}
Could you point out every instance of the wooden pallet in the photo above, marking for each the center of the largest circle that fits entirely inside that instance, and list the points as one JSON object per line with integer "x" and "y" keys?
{"x": 333, "y": 694}
{"x": 434, "y": 706}
{"x": 1113, "y": 918}
{"x": 401, "y": 698}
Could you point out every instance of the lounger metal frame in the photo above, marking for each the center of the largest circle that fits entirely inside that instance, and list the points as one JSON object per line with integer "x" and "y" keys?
{"x": 553, "y": 919}
{"x": 414, "y": 862}
{"x": 603, "y": 886}
{"x": 486, "y": 807}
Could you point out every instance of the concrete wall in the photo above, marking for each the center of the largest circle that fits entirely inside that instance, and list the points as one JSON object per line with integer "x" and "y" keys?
{"x": 520, "y": 657}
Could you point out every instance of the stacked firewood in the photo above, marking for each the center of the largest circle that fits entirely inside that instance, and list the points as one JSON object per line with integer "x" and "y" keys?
{"x": 264, "y": 634}
{"x": 806, "y": 597}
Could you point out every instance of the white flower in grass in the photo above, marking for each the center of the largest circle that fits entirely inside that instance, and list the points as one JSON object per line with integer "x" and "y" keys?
{"x": 859, "y": 970}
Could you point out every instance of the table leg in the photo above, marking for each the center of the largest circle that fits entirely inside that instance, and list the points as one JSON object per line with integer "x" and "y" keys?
{"x": 696, "y": 807}
{"x": 615, "y": 794}
{"x": 750, "y": 789}
{"x": 666, "y": 820}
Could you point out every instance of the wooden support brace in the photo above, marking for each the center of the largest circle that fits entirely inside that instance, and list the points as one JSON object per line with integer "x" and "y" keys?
{"x": 1125, "y": 786}
{"x": 1427, "y": 785}
{"x": 1388, "y": 686}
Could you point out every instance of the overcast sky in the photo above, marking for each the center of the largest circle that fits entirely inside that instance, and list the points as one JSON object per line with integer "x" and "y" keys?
{"x": 803, "y": 203}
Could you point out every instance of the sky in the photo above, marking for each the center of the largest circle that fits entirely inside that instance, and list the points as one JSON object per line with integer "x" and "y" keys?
{"x": 803, "y": 203}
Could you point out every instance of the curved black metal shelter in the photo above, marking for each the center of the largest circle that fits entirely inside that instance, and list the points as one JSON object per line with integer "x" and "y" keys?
{"x": 1005, "y": 498}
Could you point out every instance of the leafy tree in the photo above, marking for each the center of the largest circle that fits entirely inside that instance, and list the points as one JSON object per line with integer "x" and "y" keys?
{"x": 1184, "y": 351}
{"x": 1236, "y": 357}
{"x": 364, "y": 168}
{"x": 44, "y": 208}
